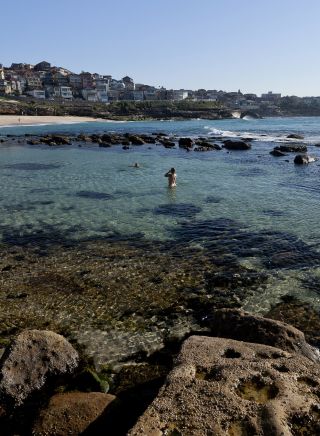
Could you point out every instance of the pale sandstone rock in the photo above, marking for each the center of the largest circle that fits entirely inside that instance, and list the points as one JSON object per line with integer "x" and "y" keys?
{"x": 31, "y": 358}
{"x": 226, "y": 387}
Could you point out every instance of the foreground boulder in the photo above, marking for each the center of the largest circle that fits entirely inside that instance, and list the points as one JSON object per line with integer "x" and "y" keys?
{"x": 32, "y": 358}
{"x": 302, "y": 159}
{"x": 225, "y": 387}
{"x": 236, "y": 145}
{"x": 243, "y": 326}
{"x": 72, "y": 413}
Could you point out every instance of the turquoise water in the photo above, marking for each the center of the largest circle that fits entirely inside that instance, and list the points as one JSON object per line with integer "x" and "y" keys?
{"x": 77, "y": 193}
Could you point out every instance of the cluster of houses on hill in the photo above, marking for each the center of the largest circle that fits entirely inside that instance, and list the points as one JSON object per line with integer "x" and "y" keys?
{"x": 44, "y": 81}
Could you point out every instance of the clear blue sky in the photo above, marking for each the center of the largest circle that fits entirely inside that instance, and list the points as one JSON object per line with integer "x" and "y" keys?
{"x": 254, "y": 45}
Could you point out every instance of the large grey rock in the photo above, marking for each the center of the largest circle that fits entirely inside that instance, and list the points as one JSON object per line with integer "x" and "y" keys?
{"x": 31, "y": 358}
{"x": 243, "y": 326}
{"x": 225, "y": 387}
{"x": 72, "y": 414}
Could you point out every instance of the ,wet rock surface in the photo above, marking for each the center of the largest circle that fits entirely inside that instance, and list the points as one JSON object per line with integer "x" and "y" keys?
{"x": 72, "y": 414}
{"x": 225, "y": 387}
{"x": 236, "y": 145}
{"x": 30, "y": 360}
{"x": 277, "y": 153}
{"x": 295, "y": 136}
{"x": 292, "y": 148}
{"x": 185, "y": 143}
{"x": 302, "y": 159}
{"x": 299, "y": 314}
{"x": 242, "y": 326}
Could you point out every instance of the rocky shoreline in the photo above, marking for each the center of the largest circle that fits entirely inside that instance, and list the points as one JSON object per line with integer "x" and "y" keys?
{"x": 248, "y": 376}
{"x": 197, "y": 144}
{"x": 126, "y": 312}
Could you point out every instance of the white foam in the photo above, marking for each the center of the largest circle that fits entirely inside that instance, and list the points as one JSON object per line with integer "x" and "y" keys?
{"x": 258, "y": 137}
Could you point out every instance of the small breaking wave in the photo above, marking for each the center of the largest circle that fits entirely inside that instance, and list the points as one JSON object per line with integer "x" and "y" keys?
{"x": 254, "y": 136}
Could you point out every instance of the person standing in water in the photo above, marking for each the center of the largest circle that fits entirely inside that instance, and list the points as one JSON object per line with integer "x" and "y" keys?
{"x": 172, "y": 178}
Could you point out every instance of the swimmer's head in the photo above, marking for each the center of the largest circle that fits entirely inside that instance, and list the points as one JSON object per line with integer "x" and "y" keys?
{"x": 136, "y": 165}
{"x": 172, "y": 170}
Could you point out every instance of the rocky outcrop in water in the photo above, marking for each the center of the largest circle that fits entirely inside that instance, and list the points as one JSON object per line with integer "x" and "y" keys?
{"x": 277, "y": 153}
{"x": 236, "y": 145}
{"x": 295, "y": 136}
{"x": 185, "y": 143}
{"x": 303, "y": 159}
{"x": 292, "y": 148}
{"x": 226, "y": 387}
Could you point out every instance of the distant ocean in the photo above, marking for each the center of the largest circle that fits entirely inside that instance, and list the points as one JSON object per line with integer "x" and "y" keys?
{"x": 259, "y": 206}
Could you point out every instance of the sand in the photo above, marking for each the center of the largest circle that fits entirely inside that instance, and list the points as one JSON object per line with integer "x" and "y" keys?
{"x": 12, "y": 120}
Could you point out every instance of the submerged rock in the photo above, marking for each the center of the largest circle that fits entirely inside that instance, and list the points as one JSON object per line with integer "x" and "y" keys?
{"x": 221, "y": 386}
{"x": 32, "y": 357}
{"x": 299, "y": 313}
{"x": 243, "y": 326}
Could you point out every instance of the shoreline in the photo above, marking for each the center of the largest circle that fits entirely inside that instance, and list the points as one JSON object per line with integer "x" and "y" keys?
{"x": 25, "y": 120}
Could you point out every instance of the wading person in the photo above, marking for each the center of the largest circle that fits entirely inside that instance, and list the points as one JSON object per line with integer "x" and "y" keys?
{"x": 172, "y": 178}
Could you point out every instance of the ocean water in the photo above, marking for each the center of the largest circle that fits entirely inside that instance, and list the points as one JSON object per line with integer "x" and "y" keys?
{"x": 262, "y": 207}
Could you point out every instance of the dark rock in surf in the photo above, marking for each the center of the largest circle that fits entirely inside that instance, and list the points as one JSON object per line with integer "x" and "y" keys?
{"x": 295, "y": 136}
{"x": 55, "y": 140}
{"x": 292, "y": 148}
{"x": 302, "y": 159}
{"x": 84, "y": 138}
{"x": 148, "y": 139}
{"x": 236, "y": 145}
{"x": 278, "y": 153}
{"x": 167, "y": 143}
{"x": 185, "y": 143}
{"x": 136, "y": 140}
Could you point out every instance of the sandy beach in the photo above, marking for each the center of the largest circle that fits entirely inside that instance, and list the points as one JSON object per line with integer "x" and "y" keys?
{"x": 12, "y": 120}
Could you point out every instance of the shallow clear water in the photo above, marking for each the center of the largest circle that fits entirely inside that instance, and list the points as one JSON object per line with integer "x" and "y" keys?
{"x": 94, "y": 192}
